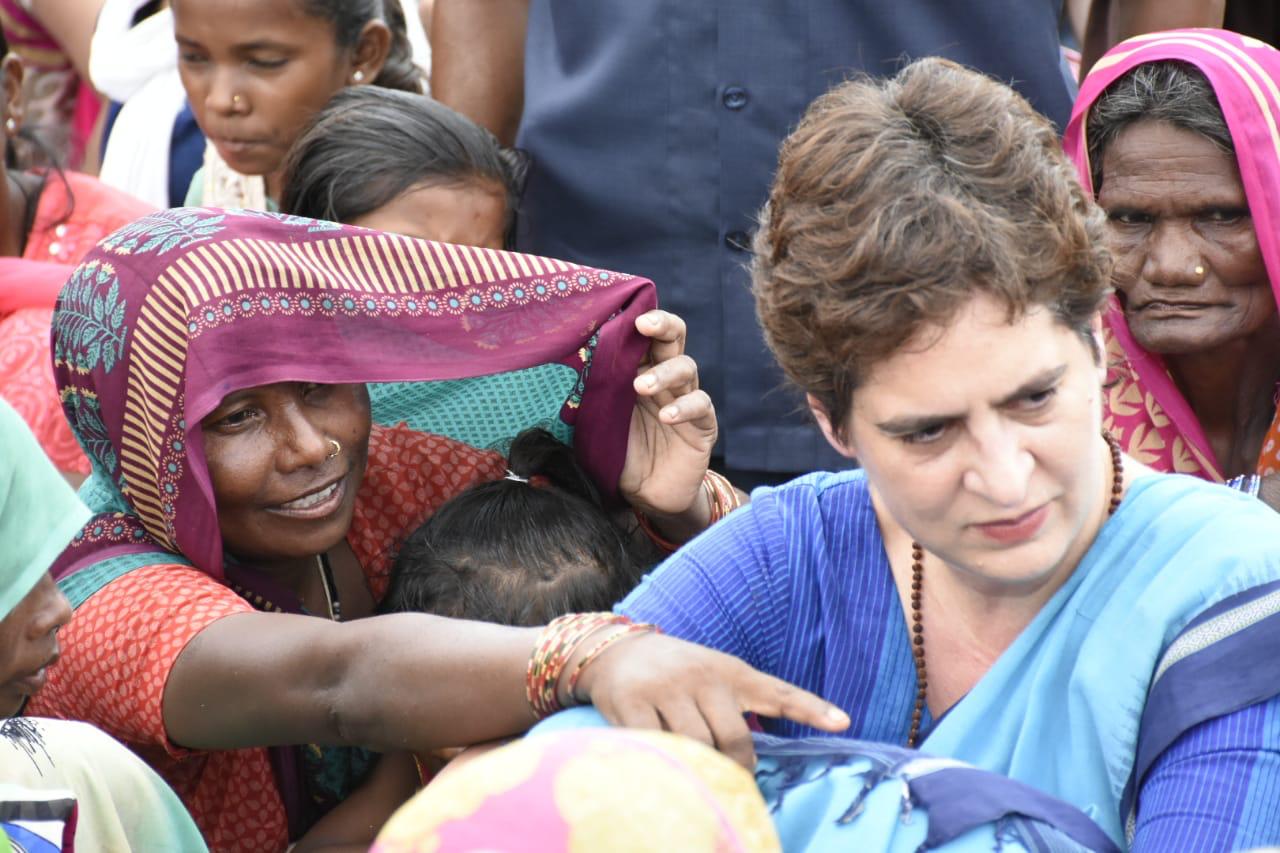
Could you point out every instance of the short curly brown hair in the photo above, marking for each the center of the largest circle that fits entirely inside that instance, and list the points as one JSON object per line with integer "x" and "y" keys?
{"x": 895, "y": 203}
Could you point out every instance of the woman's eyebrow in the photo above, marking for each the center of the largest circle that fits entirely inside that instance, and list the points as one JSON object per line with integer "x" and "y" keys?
{"x": 1037, "y": 383}
{"x": 917, "y": 423}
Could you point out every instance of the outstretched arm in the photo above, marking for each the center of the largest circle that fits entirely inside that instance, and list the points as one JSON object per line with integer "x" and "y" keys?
{"x": 417, "y": 682}
{"x": 386, "y": 683}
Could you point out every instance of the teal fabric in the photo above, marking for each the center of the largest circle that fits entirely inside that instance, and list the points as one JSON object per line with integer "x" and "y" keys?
{"x": 479, "y": 411}
{"x": 83, "y": 584}
{"x": 195, "y": 192}
{"x": 1077, "y": 677}
{"x": 39, "y": 513}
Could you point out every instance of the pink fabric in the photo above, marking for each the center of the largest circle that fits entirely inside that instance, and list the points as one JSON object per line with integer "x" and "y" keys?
{"x": 1146, "y": 410}
{"x": 30, "y": 284}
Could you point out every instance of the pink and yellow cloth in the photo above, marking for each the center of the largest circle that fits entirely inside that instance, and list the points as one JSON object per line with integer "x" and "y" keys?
{"x": 1145, "y": 410}
{"x": 594, "y": 789}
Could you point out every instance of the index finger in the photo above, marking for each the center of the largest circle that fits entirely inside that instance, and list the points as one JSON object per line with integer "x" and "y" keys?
{"x": 773, "y": 697}
{"x": 666, "y": 333}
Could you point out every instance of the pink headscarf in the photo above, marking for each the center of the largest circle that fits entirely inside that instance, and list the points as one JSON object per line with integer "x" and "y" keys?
{"x": 1144, "y": 408}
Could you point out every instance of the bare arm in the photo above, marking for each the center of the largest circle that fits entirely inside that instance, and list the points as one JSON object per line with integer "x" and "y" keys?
{"x": 1113, "y": 21}
{"x": 477, "y": 61}
{"x": 71, "y": 23}
{"x": 386, "y": 683}
{"x": 414, "y": 682}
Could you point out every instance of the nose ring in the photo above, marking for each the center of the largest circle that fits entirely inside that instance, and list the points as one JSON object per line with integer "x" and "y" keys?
{"x": 1200, "y": 270}
{"x": 337, "y": 448}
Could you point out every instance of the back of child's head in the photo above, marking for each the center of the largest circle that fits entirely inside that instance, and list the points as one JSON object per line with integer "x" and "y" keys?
{"x": 518, "y": 551}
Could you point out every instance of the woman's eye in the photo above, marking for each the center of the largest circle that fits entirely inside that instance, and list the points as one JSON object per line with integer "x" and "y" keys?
{"x": 1038, "y": 399}
{"x": 267, "y": 63}
{"x": 315, "y": 393}
{"x": 1225, "y": 216}
{"x": 187, "y": 57}
{"x": 925, "y": 436}
{"x": 1128, "y": 217}
{"x": 236, "y": 419}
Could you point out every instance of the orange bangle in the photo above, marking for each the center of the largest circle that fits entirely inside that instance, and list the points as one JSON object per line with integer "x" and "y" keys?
{"x": 654, "y": 536}
{"x": 722, "y": 499}
{"x": 555, "y": 646}
{"x": 587, "y": 659}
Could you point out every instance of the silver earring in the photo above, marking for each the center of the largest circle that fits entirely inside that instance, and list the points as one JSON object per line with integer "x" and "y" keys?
{"x": 11, "y": 126}
{"x": 358, "y": 77}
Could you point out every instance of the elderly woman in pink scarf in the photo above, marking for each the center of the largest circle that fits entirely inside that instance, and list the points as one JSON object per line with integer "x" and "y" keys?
{"x": 1177, "y": 134}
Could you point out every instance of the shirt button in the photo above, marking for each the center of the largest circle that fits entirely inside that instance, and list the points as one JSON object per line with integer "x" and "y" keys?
{"x": 739, "y": 240}
{"x": 735, "y": 97}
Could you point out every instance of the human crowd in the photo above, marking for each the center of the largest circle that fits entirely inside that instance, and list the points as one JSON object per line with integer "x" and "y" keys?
{"x": 356, "y": 493}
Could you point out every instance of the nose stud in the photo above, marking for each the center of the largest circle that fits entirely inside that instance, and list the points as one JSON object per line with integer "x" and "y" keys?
{"x": 235, "y": 100}
{"x": 337, "y": 448}
{"x": 1200, "y": 270}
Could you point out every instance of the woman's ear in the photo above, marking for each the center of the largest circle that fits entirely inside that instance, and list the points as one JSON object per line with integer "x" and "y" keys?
{"x": 370, "y": 53}
{"x": 829, "y": 432}
{"x": 11, "y": 74}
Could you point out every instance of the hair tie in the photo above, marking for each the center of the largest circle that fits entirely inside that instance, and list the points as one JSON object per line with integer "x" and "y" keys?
{"x": 537, "y": 481}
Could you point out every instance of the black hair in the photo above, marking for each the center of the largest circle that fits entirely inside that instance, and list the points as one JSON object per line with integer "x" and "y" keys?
{"x": 518, "y": 553}
{"x": 368, "y": 146}
{"x": 1168, "y": 90}
{"x": 349, "y": 18}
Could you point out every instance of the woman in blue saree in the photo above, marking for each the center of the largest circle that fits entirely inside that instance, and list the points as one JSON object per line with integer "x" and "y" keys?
{"x": 998, "y": 584}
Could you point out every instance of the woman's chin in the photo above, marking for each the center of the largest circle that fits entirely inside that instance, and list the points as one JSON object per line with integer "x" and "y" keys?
{"x": 250, "y": 159}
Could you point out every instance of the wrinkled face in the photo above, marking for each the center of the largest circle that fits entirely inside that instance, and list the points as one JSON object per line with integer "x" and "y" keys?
{"x": 29, "y": 644}
{"x": 283, "y": 490}
{"x": 1175, "y": 203}
{"x": 255, "y": 72}
{"x": 983, "y": 440}
{"x": 473, "y": 214}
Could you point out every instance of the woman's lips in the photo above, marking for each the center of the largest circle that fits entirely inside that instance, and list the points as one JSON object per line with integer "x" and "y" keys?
{"x": 32, "y": 684}
{"x": 236, "y": 147}
{"x": 318, "y": 504}
{"x": 1015, "y": 530}
{"x": 1167, "y": 307}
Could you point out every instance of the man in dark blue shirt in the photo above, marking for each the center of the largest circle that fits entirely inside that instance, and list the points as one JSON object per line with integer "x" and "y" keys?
{"x": 654, "y": 128}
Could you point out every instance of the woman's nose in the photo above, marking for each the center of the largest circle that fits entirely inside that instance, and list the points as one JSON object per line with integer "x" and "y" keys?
{"x": 1173, "y": 256}
{"x": 1000, "y": 470}
{"x": 305, "y": 444}
{"x": 52, "y": 610}
{"x": 222, "y": 96}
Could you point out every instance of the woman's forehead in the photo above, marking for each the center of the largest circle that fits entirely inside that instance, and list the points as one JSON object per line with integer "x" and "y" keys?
{"x": 245, "y": 23}
{"x": 982, "y": 357}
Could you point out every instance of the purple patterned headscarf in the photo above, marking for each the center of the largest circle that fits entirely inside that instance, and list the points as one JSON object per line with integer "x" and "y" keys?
{"x": 175, "y": 311}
